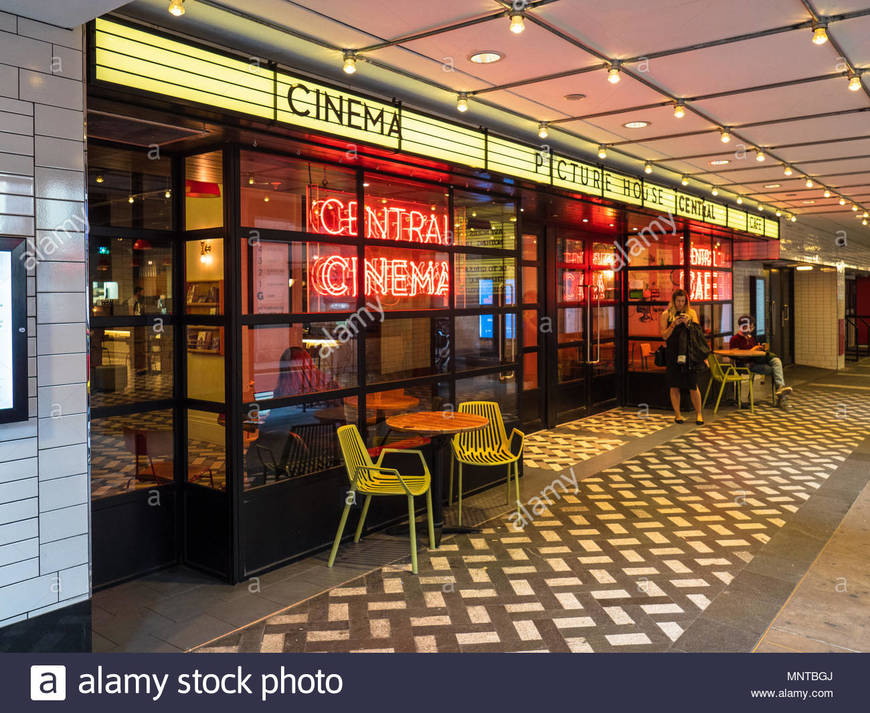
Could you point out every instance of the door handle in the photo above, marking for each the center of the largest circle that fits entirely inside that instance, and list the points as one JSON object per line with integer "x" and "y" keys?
{"x": 772, "y": 320}
{"x": 589, "y": 359}
{"x": 785, "y": 313}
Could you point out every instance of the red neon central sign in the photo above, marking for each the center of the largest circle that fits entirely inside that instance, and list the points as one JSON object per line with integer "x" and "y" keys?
{"x": 336, "y": 276}
{"x": 385, "y": 219}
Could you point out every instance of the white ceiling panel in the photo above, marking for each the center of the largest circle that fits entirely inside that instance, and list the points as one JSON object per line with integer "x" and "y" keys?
{"x": 662, "y": 123}
{"x": 631, "y": 28}
{"x": 835, "y": 7}
{"x": 460, "y": 77}
{"x": 707, "y": 145}
{"x": 784, "y": 102}
{"x": 852, "y": 37}
{"x": 857, "y": 124}
{"x": 839, "y": 149}
{"x": 783, "y": 57}
{"x": 390, "y": 19}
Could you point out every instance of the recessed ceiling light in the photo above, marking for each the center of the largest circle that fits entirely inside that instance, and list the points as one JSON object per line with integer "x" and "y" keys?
{"x": 640, "y": 124}
{"x": 575, "y": 96}
{"x": 719, "y": 162}
{"x": 485, "y": 57}
{"x": 772, "y": 185}
{"x": 807, "y": 202}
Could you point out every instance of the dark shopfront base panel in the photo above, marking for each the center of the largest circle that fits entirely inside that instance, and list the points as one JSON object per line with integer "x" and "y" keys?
{"x": 207, "y": 539}
{"x": 651, "y": 389}
{"x": 299, "y": 516}
{"x": 66, "y": 630}
{"x": 132, "y": 534}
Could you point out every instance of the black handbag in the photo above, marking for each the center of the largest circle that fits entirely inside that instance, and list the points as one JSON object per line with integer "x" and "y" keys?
{"x": 659, "y": 356}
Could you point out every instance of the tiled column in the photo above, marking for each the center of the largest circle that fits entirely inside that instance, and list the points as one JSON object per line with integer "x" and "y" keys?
{"x": 816, "y": 315}
{"x": 44, "y": 480}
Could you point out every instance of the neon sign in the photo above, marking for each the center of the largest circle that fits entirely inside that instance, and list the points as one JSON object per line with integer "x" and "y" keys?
{"x": 336, "y": 276}
{"x": 404, "y": 221}
{"x": 709, "y": 285}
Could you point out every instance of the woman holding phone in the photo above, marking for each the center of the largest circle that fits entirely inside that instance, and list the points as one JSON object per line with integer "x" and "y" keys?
{"x": 681, "y": 373}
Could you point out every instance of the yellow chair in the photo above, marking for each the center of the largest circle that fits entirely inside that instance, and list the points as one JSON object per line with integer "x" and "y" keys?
{"x": 374, "y": 479}
{"x": 488, "y": 446}
{"x": 728, "y": 374}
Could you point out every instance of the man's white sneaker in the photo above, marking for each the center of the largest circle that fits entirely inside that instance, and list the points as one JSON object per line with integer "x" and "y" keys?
{"x": 783, "y": 390}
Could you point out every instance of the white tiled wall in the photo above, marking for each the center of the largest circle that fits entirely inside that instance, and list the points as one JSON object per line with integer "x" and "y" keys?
{"x": 44, "y": 483}
{"x": 816, "y": 315}
{"x": 741, "y": 272}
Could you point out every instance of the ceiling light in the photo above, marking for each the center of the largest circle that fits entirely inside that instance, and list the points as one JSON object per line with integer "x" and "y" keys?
{"x": 518, "y": 23}
{"x": 542, "y": 130}
{"x": 100, "y": 179}
{"x": 349, "y": 65}
{"x": 854, "y": 83}
{"x": 679, "y": 110}
{"x": 854, "y": 208}
{"x": 778, "y": 213}
{"x": 176, "y": 7}
{"x": 808, "y": 202}
{"x": 575, "y": 97}
{"x": 251, "y": 180}
{"x": 265, "y": 199}
{"x": 647, "y": 167}
{"x": 725, "y": 136}
{"x": 787, "y": 170}
{"x": 809, "y": 183}
{"x": 613, "y": 73}
{"x": 760, "y": 207}
{"x": 640, "y": 124}
{"x": 802, "y": 268}
{"x": 864, "y": 222}
{"x": 130, "y": 199}
{"x": 820, "y": 33}
{"x": 462, "y": 102}
{"x": 772, "y": 185}
{"x": 827, "y": 193}
{"x": 167, "y": 194}
{"x": 487, "y": 57}
{"x": 866, "y": 214}
{"x": 602, "y": 152}
{"x": 719, "y": 162}
{"x": 715, "y": 191}
{"x": 759, "y": 156}
{"x": 685, "y": 180}
{"x": 793, "y": 219}
{"x": 739, "y": 200}
{"x": 842, "y": 201}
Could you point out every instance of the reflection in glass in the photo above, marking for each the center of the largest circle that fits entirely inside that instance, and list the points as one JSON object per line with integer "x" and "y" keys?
{"x": 130, "y": 277}
{"x": 291, "y": 360}
{"x": 652, "y": 285}
{"x": 405, "y": 211}
{"x": 571, "y": 325}
{"x": 571, "y": 364}
{"x": 206, "y": 449}
{"x": 482, "y": 280}
{"x": 530, "y": 370}
{"x": 130, "y": 364}
{"x": 204, "y": 191}
{"x": 380, "y": 405}
{"x": 657, "y": 246}
{"x": 403, "y": 348}
{"x": 530, "y": 328}
{"x": 483, "y": 221}
{"x": 399, "y": 278}
{"x": 500, "y": 387}
{"x": 643, "y": 320}
{"x": 485, "y": 340}
{"x": 641, "y": 355}
{"x": 131, "y": 452}
{"x": 205, "y": 363}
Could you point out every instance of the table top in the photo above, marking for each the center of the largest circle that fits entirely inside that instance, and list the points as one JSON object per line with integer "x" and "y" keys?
{"x": 437, "y": 423}
{"x": 385, "y": 401}
{"x": 741, "y": 353}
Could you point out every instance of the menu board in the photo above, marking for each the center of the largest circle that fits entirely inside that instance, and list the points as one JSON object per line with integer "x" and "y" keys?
{"x": 13, "y": 331}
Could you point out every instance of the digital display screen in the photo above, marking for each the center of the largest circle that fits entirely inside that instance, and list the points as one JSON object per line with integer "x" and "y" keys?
{"x": 7, "y": 395}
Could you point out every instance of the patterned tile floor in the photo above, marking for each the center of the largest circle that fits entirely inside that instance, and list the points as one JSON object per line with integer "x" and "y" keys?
{"x": 627, "y": 561}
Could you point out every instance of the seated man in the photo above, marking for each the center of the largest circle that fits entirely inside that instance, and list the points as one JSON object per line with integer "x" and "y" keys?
{"x": 744, "y": 339}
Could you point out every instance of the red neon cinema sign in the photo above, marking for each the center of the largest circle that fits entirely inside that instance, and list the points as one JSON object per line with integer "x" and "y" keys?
{"x": 336, "y": 276}
{"x": 385, "y": 219}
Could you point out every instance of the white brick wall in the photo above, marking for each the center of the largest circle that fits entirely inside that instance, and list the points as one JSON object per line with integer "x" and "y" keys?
{"x": 44, "y": 479}
{"x": 816, "y": 329}
{"x": 742, "y": 271}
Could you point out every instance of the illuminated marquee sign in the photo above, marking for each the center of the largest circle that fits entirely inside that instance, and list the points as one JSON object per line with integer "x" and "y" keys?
{"x": 336, "y": 276}
{"x": 405, "y": 221}
{"x": 146, "y": 61}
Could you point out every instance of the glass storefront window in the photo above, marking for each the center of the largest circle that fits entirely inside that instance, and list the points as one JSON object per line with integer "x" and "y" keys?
{"x": 380, "y": 405}
{"x": 530, "y": 328}
{"x": 485, "y": 340}
{"x": 483, "y": 281}
{"x": 280, "y": 193}
{"x": 293, "y": 441}
{"x": 205, "y": 363}
{"x": 130, "y": 277}
{"x": 571, "y": 364}
{"x": 404, "y": 279}
{"x": 701, "y": 254}
{"x": 641, "y": 355}
{"x": 530, "y": 371}
{"x": 131, "y": 452}
{"x": 530, "y": 285}
{"x": 291, "y": 360}
{"x": 500, "y": 387}
{"x": 530, "y": 246}
{"x": 643, "y": 320}
{"x": 653, "y": 243}
{"x": 126, "y": 189}
{"x": 130, "y": 364}
{"x": 570, "y": 324}
{"x": 723, "y": 318}
{"x": 709, "y": 285}
{"x": 404, "y": 348}
{"x": 484, "y": 221}
{"x": 204, "y": 280}
{"x": 295, "y": 278}
{"x": 405, "y": 211}
{"x": 204, "y": 191}
{"x": 206, "y": 449}
{"x": 653, "y": 285}
{"x": 721, "y": 252}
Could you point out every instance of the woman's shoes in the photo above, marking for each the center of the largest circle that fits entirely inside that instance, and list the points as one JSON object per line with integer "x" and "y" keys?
{"x": 699, "y": 421}
{"x": 679, "y": 420}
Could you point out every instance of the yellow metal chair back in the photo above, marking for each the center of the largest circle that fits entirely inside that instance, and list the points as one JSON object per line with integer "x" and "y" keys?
{"x": 354, "y": 452}
{"x": 715, "y": 367}
{"x": 491, "y": 438}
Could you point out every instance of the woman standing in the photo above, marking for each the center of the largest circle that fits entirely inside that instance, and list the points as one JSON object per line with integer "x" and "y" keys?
{"x": 681, "y": 372}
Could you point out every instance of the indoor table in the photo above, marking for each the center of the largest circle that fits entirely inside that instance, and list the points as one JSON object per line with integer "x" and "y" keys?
{"x": 439, "y": 426}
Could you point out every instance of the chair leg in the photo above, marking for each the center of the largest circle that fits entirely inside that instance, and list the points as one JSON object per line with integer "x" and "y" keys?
{"x": 412, "y": 526}
{"x": 517, "y": 481}
{"x": 460, "y": 493}
{"x": 721, "y": 391}
{"x": 450, "y": 482}
{"x": 338, "y": 535}
{"x": 362, "y": 518}
{"x": 507, "y": 500}
{"x": 707, "y": 392}
{"x": 751, "y": 397}
{"x": 429, "y": 519}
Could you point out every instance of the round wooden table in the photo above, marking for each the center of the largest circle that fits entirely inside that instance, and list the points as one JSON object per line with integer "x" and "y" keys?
{"x": 741, "y": 353}
{"x": 439, "y": 426}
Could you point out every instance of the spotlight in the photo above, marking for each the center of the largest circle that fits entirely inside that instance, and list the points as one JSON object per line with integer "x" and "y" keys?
{"x": 759, "y": 156}
{"x": 462, "y": 102}
{"x": 100, "y": 179}
{"x": 739, "y": 200}
{"x": 647, "y": 168}
{"x": 679, "y": 110}
{"x": 685, "y": 180}
{"x": 842, "y": 201}
{"x": 130, "y": 199}
{"x": 787, "y": 170}
{"x": 715, "y": 191}
{"x": 176, "y": 7}
{"x": 542, "y": 130}
{"x": 349, "y": 65}
{"x": 820, "y": 34}
{"x": 855, "y": 83}
{"x": 827, "y": 193}
{"x": 613, "y": 73}
{"x": 809, "y": 183}
{"x": 602, "y": 152}
{"x": 725, "y": 136}
{"x": 778, "y": 213}
{"x": 518, "y": 22}
{"x": 794, "y": 219}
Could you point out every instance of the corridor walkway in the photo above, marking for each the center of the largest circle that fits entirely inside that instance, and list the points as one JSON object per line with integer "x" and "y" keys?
{"x": 693, "y": 544}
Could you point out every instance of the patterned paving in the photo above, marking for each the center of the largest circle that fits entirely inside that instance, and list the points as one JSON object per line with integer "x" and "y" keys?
{"x": 626, "y": 562}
